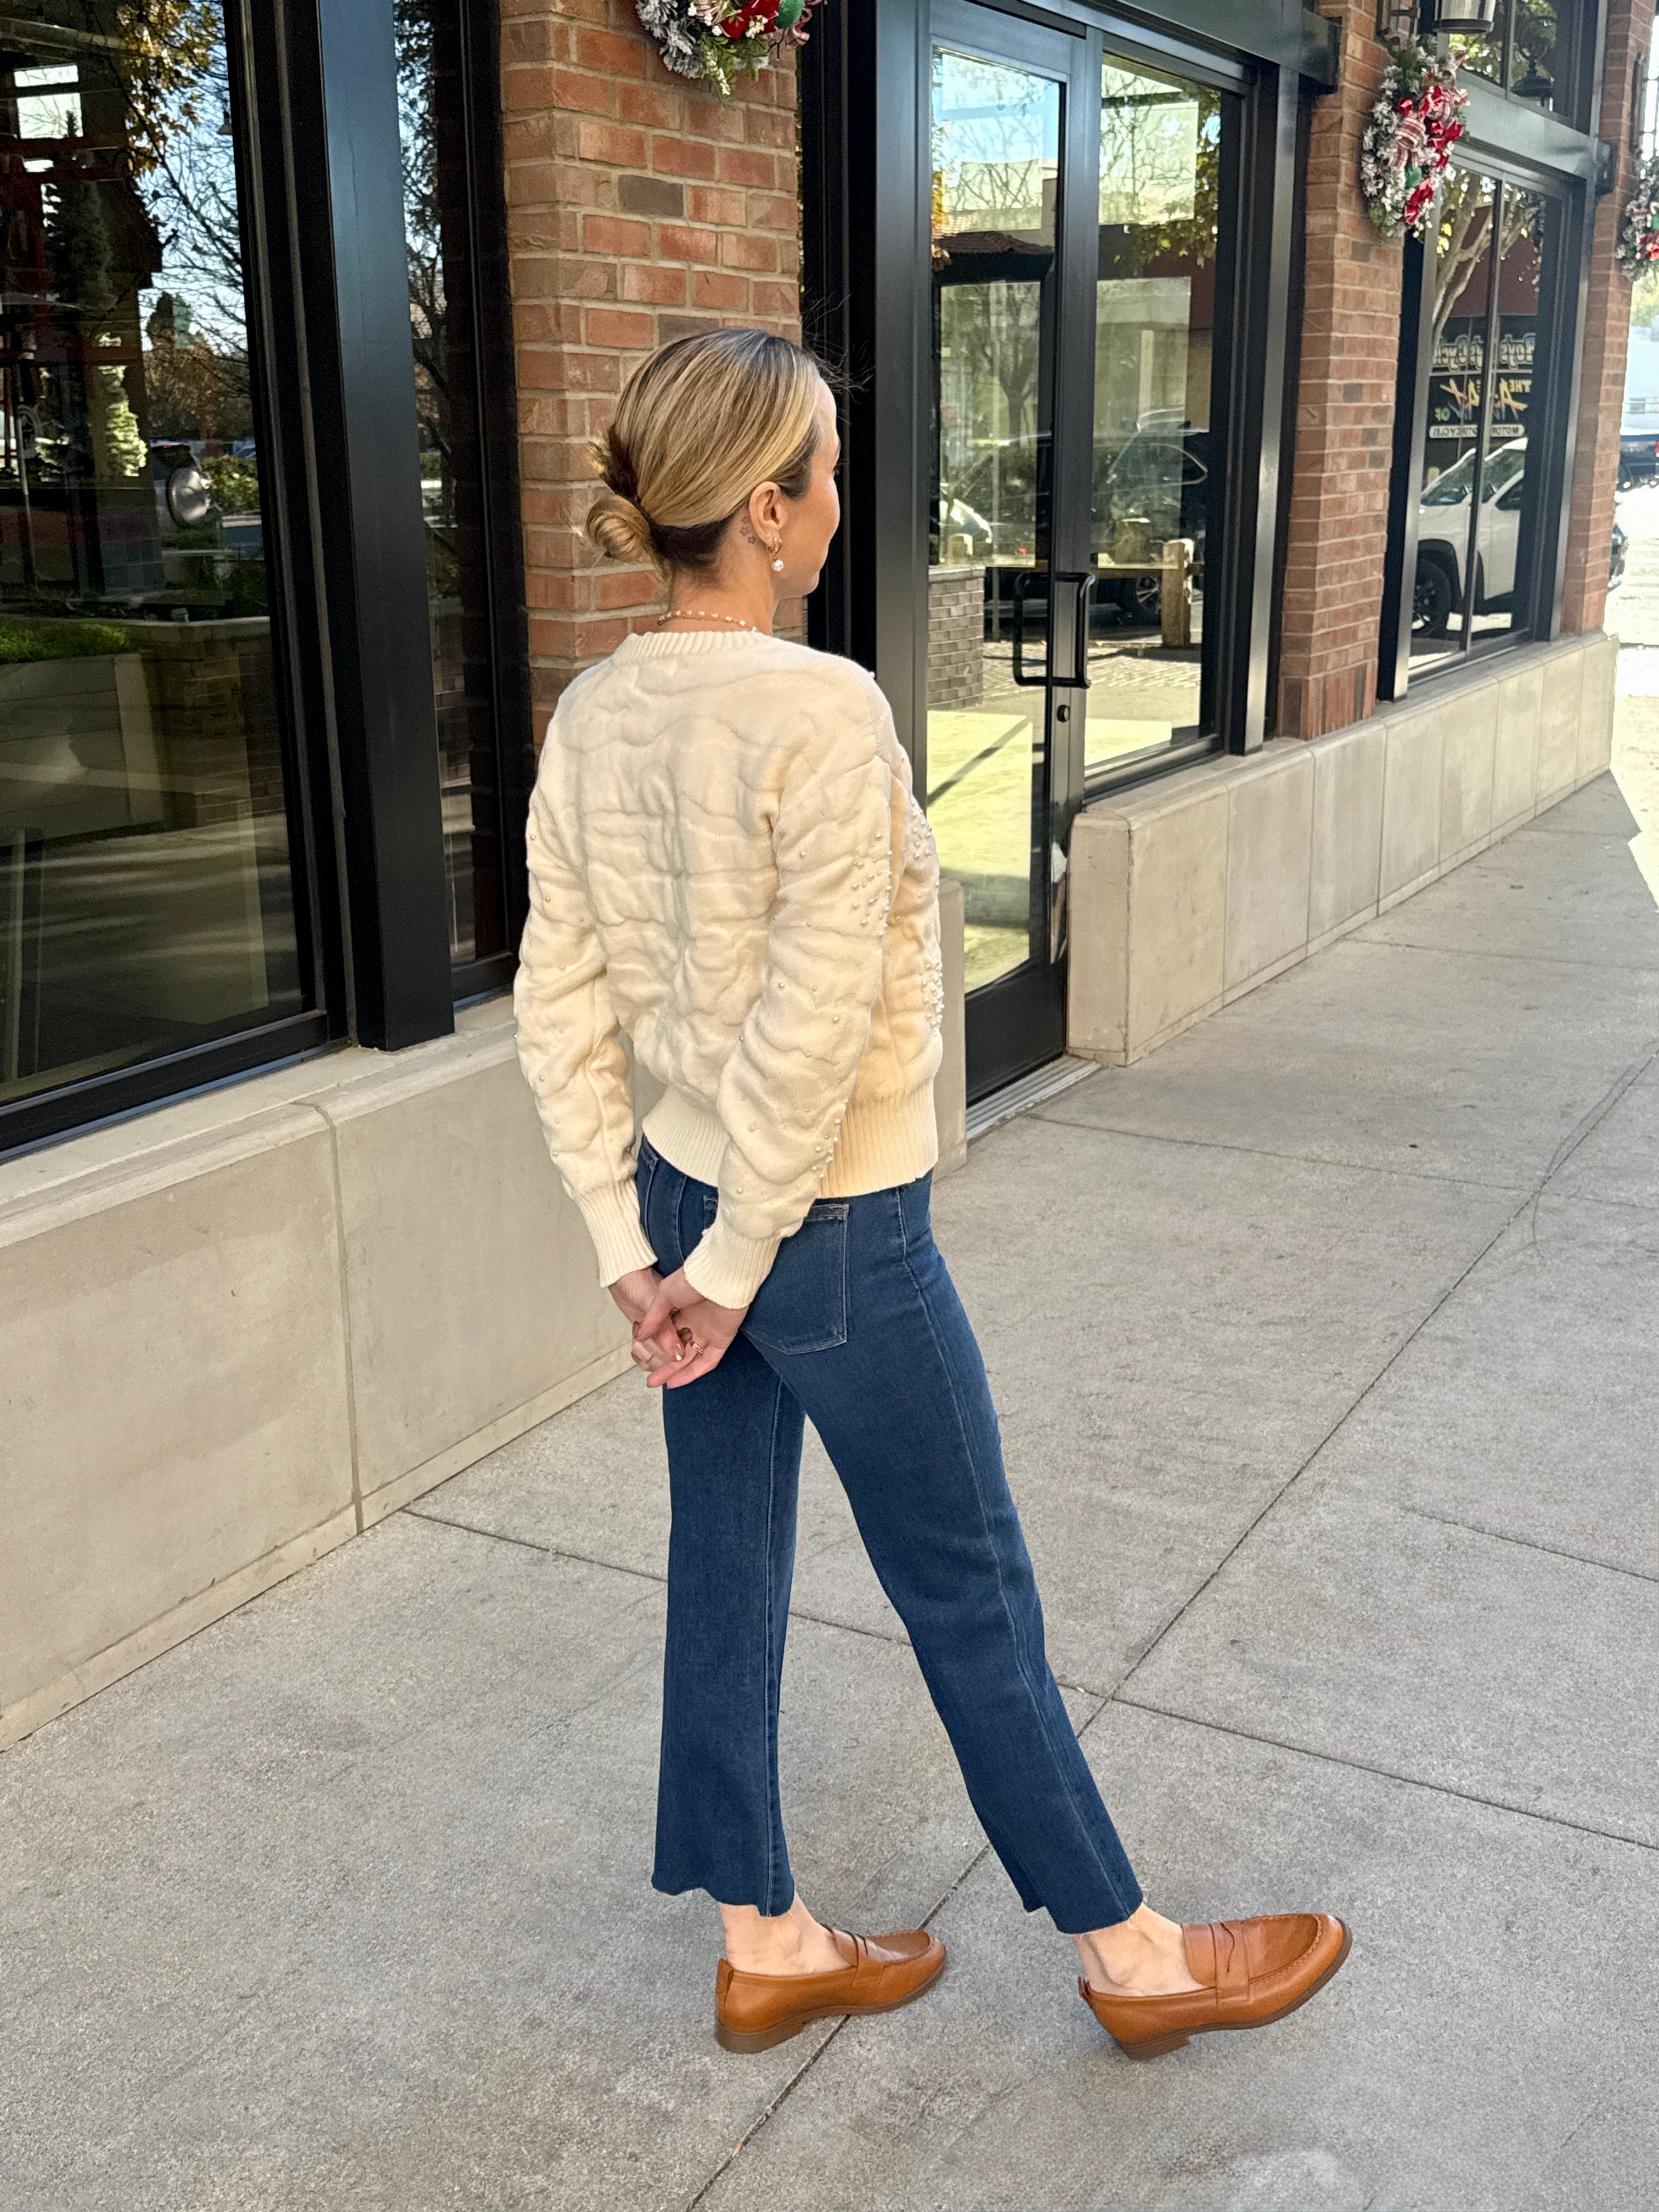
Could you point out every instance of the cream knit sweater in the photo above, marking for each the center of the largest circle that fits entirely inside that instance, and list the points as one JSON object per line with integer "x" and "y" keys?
{"x": 726, "y": 866}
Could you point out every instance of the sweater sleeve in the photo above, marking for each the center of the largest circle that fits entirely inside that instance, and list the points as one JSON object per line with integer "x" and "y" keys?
{"x": 570, "y": 1049}
{"x": 838, "y": 842}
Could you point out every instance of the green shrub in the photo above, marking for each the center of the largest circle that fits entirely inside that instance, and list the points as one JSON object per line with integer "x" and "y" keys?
{"x": 59, "y": 641}
{"x": 236, "y": 483}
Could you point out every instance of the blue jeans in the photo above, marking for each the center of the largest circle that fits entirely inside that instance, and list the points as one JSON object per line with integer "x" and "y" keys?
{"x": 859, "y": 1329}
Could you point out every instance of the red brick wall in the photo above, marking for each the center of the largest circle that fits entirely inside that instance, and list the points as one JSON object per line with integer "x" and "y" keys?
{"x": 1338, "y": 533}
{"x": 640, "y": 207}
{"x": 1607, "y": 340}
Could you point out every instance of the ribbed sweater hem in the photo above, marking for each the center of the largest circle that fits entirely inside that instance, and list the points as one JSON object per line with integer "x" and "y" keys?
{"x": 882, "y": 1141}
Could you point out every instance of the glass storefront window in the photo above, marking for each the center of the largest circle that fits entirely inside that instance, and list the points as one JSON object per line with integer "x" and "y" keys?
{"x": 146, "y": 895}
{"x": 1526, "y": 51}
{"x": 438, "y": 228}
{"x": 1160, "y": 149}
{"x": 1474, "y": 519}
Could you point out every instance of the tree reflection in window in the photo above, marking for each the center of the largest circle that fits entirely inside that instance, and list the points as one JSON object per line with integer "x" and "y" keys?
{"x": 438, "y": 187}
{"x": 146, "y": 899}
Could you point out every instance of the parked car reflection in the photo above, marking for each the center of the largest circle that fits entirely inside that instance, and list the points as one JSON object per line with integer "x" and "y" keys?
{"x": 1443, "y": 538}
{"x": 1147, "y": 488}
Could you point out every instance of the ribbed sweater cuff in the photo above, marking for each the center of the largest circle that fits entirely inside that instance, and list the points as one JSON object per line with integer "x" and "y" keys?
{"x": 730, "y": 1268}
{"x": 612, "y": 1215}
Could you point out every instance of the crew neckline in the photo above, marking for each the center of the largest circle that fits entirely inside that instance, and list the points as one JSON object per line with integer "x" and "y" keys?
{"x": 650, "y": 644}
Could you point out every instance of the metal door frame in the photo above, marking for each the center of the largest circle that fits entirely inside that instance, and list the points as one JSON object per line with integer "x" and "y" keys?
{"x": 1019, "y": 1019}
{"x": 865, "y": 113}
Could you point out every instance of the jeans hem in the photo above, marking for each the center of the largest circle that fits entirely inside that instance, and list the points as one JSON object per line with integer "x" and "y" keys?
{"x": 665, "y": 1888}
{"x": 1088, "y": 1926}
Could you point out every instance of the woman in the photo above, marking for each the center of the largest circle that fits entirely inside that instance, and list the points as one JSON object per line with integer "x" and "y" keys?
{"x": 727, "y": 867}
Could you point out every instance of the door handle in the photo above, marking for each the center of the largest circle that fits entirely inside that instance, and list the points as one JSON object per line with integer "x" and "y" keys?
{"x": 1083, "y": 584}
{"x": 1023, "y": 581}
{"x": 1060, "y": 814}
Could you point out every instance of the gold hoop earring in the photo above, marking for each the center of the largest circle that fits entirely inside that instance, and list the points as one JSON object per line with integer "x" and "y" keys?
{"x": 777, "y": 553}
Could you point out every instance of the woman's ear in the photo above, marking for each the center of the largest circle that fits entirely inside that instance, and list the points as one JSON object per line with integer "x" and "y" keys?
{"x": 767, "y": 511}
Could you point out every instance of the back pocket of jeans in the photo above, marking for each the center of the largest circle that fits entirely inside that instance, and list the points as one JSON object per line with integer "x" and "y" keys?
{"x": 802, "y": 1305}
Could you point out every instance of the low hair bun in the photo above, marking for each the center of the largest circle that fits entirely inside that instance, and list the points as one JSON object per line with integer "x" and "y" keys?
{"x": 619, "y": 529}
{"x": 617, "y": 524}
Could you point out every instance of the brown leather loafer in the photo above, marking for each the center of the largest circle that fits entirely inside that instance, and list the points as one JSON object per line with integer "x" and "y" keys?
{"x": 1253, "y": 1971}
{"x": 754, "y": 2011}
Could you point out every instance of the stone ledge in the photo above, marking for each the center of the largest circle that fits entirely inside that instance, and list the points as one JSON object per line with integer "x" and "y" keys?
{"x": 1190, "y": 891}
{"x": 238, "y": 1328}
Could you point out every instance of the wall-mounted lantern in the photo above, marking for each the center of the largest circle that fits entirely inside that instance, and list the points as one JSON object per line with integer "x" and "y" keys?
{"x": 1458, "y": 15}
{"x": 1399, "y": 21}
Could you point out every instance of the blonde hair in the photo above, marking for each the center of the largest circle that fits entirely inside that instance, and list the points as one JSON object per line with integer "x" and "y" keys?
{"x": 698, "y": 426}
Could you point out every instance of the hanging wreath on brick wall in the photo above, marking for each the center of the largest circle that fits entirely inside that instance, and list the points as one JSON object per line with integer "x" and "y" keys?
{"x": 1417, "y": 120}
{"x": 718, "y": 41}
{"x": 1639, "y": 234}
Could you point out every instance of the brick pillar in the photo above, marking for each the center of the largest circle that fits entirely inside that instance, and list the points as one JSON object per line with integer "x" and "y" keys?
{"x": 640, "y": 207}
{"x": 1607, "y": 340}
{"x": 1337, "y": 538}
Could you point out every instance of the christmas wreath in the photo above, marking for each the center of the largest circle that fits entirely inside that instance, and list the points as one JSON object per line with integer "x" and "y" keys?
{"x": 1638, "y": 234}
{"x": 1417, "y": 120}
{"x": 720, "y": 41}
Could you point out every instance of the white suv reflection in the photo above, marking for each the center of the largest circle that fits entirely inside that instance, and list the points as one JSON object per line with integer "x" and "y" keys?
{"x": 1443, "y": 538}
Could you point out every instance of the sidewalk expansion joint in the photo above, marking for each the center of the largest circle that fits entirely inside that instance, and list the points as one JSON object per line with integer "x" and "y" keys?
{"x": 1392, "y": 1774}
{"x": 470, "y": 1529}
{"x": 1529, "y": 1204}
{"x": 1270, "y": 1152}
{"x": 1481, "y": 952}
{"x": 1591, "y": 1122}
{"x": 812, "y": 2058}
{"x": 1490, "y": 953}
{"x": 897, "y": 1639}
{"x": 529, "y": 1544}
{"x": 853, "y": 1628}
{"x": 1530, "y": 1544}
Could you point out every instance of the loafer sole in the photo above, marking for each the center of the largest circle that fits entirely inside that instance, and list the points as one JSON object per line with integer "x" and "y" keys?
{"x": 1155, "y": 2046}
{"x": 765, "y": 2038}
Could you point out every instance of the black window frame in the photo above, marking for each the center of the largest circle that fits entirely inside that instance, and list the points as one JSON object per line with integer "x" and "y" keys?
{"x": 269, "y": 260}
{"x": 313, "y": 94}
{"x": 1521, "y": 146}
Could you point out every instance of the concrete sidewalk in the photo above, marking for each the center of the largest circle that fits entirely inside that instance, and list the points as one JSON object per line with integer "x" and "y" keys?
{"x": 1326, "y": 1342}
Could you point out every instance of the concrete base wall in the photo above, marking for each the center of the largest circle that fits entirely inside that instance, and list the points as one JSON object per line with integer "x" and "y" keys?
{"x": 238, "y": 1330}
{"x": 1190, "y": 892}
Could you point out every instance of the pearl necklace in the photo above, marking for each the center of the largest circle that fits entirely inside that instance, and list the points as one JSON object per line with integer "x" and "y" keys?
{"x": 708, "y": 614}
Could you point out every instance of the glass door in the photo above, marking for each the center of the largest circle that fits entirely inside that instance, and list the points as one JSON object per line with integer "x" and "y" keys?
{"x": 1001, "y": 105}
{"x": 1080, "y": 290}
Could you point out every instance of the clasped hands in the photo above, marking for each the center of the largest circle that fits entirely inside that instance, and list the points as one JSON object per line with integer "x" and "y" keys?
{"x": 678, "y": 1334}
